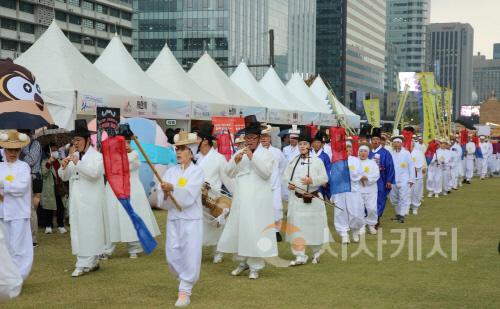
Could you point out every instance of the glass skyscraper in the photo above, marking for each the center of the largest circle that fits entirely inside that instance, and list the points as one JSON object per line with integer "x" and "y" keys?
{"x": 229, "y": 30}
{"x": 350, "y": 48}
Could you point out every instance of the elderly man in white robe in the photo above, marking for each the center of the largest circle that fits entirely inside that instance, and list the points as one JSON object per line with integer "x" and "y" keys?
{"x": 180, "y": 193}
{"x": 444, "y": 157}
{"x": 405, "y": 178}
{"x": 84, "y": 170}
{"x": 250, "y": 229}
{"x": 369, "y": 189}
{"x": 417, "y": 190}
{"x": 213, "y": 165}
{"x": 306, "y": 214}
{"x": 279, "y": 166}
{"x": 15, "y": 202}
{"x": 482, "y": 165}
{"x": 455, "y": 164}
{"x": 470, "y": 156}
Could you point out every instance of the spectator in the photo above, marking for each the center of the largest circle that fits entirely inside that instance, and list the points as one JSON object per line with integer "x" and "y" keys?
{"x": 54, "y": 192}
{"x": 32, "y": 154}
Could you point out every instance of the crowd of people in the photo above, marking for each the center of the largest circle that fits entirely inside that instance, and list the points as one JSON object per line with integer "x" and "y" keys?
{"x": 260, "y": 178}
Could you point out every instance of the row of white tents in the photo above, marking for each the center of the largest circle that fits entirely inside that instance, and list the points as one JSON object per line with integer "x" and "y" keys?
{"x": 72, "y": 87}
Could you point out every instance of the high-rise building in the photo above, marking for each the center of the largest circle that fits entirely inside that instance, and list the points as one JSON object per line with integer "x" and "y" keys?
{"x": 392, "y": 69}
{"x": 89, "y": 24}
{"x": 229, "y": 30}
{"x": 486, "y": 77}
{"x": 350, "y": 48}
{"x": 496, "y": 51}
{"x": 449, "y": 56}
{"x": 406, "y": 29}
{"x": 302, "y": 36}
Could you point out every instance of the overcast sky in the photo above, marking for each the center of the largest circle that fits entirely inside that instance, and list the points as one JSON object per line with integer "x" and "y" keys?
{"x": 483, "y": 15}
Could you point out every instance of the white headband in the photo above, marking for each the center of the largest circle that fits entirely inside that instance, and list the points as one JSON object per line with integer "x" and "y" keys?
{"x": 364, "y": 147}
{"x": 397, "y": 140}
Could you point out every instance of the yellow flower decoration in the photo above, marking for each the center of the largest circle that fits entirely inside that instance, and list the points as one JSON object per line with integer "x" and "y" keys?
{"x": 403, "y": 165}
{"x": 9, "y": 178}
{"x": 367, "y": 169}
{"x": 182, "y": 182}
{"x": 351, "y": 167}
{"x": 414, "y": 159}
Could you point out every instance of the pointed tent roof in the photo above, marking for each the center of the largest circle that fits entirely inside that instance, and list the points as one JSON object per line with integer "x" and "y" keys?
{"x": 298, "y": 87}
{"x": 117, "y": 63}
{"x": 59, "y": 66}
{"x": 207, "y": 74}
{"x": 244, "y": 79}
{"x": 320, "y": 90}
{"x": 272, "y": 84}
{"x": 167, "y": 72}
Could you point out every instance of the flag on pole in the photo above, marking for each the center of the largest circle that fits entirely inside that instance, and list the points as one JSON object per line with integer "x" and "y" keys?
{"x": 340, "y": 180}
{"x": 372, "y": 111}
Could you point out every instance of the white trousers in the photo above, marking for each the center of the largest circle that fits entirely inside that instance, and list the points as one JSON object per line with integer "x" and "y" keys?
{"x": 492, "y": 164}
{"x": 302, "y": 253}
{"x": 400, "y": 198}
{"x": 132, "y": 247}
{"x": 86, "y": 261}
{"x": 483, "y": 167}
{"x": 454, "y": 174}
{"x": 19, "y": 244}
{"x": 183, "y": 250}
{"x": 435, "y": 179}
{"x": 11, "y": 281}
{"x": 278, "y": 205}
{"x": 446, "y": 170}
{"x": 469, "y": 167}
{"x": 369, "y": 202}
{"x": 255, "y": 263}
{"x": 417, "y": 193}
{"x": 353, "y": 215}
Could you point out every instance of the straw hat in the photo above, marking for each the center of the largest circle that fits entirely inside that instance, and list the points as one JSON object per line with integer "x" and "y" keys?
{"x": 266, "y": 129}
{"x": 185, "y": 138}
{"x": 12, "y": 139}
{"x": 240, "y": 139}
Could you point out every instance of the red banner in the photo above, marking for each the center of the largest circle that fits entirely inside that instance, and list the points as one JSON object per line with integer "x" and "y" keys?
{"x": 464, "y": 137}
{"x": 355, "y": 145}
{"x": 408, "y": 140}
{"x": 224, "y": 129}
{"x": 313, "y": 129}
{"x": 431, "y": 149}
{"x": 116, "y": 166}
{"x": 338, "y": 139}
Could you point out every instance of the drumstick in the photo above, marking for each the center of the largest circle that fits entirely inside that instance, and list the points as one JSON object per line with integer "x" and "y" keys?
{"x": 155, "y": 172}
{"x": 314, "y": 196}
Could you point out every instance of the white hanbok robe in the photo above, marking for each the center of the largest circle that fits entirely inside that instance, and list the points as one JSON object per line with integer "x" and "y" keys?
{"x": 444, "y": 157}
{"x": 327, "y": 148}
{"x": 120, "y": 227}
{"x": 183, "y": 246}
{"x": 470, "y": 154}
{"x": 249, "y": 230}
{"x": 15, "y": 212}
{"x": 482, "y": 166}
{"x": 455, "y": 164}
{"x": 491, "y": 159}
{"x": 308, "y": 221}
{"x": 279, "y": 166}
{"x": 404, "y": 171}
{"x": 417, "y": 190}
{"x": 213, "y": 165}
{"x": 369, "y": 191}
{"x": 87, "y": 209}
{"x": 11, "y": 281}
{"x": 291, "y": 152}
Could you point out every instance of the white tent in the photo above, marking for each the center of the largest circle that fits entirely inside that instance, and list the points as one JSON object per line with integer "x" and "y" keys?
{"x": 207, "y": 74}
{"x": 244, "y": 79}
{"x": 167, "y": 72}
{"x": 320, "y": 90}
{"x": 272, "y": 84}
{"x": 298, "y": 87}
{"x": 116, "y": 63}
{"x": 62, "y": 72}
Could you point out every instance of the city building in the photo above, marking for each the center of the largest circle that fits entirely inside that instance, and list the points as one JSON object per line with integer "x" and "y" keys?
{"x": 392, "y": 69}
{"x": 89, "y": 24}
{"x": 407, "y": 21}
{"x": 350, "y": 48}
{"x": 449, "y": 56}
{"x": 496, "y": 51}
{"x": 486, "y": 77}
{"x": 229, "y": 30}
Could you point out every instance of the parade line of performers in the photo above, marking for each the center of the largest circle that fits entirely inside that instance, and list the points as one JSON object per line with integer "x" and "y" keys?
{"x": 259, "y": 179}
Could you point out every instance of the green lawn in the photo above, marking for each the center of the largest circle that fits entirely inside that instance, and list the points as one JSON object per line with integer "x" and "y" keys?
{"x": 360, "y": 282}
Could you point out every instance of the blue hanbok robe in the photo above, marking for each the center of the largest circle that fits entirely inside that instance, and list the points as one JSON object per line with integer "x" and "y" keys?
{"x": 387, "y": 174}
{"x": 325, "y": 191}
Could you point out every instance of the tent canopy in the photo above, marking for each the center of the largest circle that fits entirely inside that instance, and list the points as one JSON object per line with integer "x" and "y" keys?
{"x": 117, "y": 63}
{"x": 320, "y": 90}
{"x": 298, "y": 87}
{"x": 167, "y": 72}
{"x": 272, "y": 84}
{"x": 61, "y": 70}
{"x": 243, "y": 78}
{"x": 207, "y": 74}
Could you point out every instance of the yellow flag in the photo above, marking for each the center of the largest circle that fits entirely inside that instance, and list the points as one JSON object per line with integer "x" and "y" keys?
{"x": 427, "y": 83}
{"x": 372, "y": 111}
{"x": 401, "y": 106}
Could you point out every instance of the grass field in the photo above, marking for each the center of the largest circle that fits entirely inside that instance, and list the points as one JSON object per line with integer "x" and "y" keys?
{"x": 473, "y": 280}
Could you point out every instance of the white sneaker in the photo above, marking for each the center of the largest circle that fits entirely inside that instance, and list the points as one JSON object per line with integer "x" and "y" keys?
{"x": 182, "y": 300}
{"x": 415, "y": 211}
{"x": 345, "y": 239}
{"x": 355, "y": 237}
{"x": 253, "y": 274}
{"x": 78, "y": 272}
{"x": 372, "y": 230}
{"x": 436, "y": 195}
{"x": 48, "y": 230}
{"x": 315, "y": 259}
{"x": 133, "y": 255}
{"x": 430, "y": 194}
{"x": 62, "y": 230}
{"x": 445, "y": 193}
{"x": 299, "y": 260}
{"x": 241, "y": 268}
{"x": 218, "y": 258}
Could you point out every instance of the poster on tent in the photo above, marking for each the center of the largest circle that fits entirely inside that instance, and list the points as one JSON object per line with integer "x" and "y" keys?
{"x": 87, "y": 103}
{"x": 173, "y": 109}
{"x": 205, "y": 111}
{"x": 224, "y": 129}
{"x": 140, "y": 107}
{"x": 107, "y": 119}
{"x": 328, "y": 120}
{"x": 278, "y": 116}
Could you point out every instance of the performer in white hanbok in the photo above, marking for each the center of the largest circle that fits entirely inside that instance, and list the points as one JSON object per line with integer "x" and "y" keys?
{"x": 250, "y": 229}
{"x": 420, "y": 144}
{"x": 405, "y": 179}
{"x": 180, "y": 192}
{"x": 280, "y": 163}
{"x": 445, "y": 156}
{"x": 455, "y": 164}
{"x": 84, "y": 170}
{"x": 470, "y": 156}
{"x": 120, "y": 227}
{"x": 292, "y": 151}
{"x": 306, "y": 218}
{"x": 482, "y": 165}
{"x": 491, "y": 158}
{"x": 435, "y": 176}
{"x": 213, "y": 165}
{"x": 11, "y": 281}
{"x": 15, "y": 202}
{"x": 417, "y": 190}
{"x": 351, "y": 215}
{"x": 369, "y": 189}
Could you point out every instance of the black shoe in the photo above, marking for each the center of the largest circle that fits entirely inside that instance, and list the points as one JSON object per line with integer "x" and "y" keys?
{"x": 396, "y": 218}
{"x": 449, "y": 192}
{"x": 278, "y": 237}
{"x": 464, "y": 181}
{"x": 401, "y": 219}
{"x": 467, "y": 182}
{"x": 35, "y": 244}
